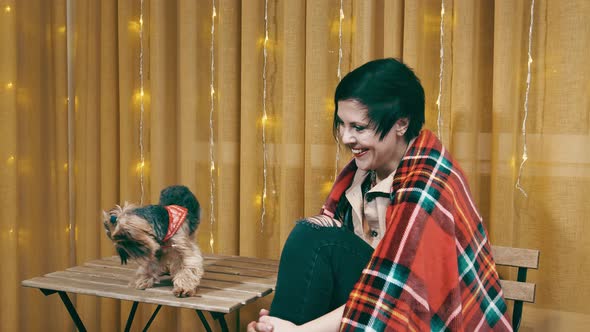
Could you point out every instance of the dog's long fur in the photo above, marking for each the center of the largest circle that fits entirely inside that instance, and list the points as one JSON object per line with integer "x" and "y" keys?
{"x": 138, "y": 234}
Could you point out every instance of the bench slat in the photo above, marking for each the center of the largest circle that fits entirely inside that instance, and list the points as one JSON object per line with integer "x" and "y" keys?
{"x": 516, "y": 257}
{"x": 518, "y": 291}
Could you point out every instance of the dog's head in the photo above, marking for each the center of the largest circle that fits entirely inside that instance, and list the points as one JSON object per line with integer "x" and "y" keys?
{"x": 132, "y": 235}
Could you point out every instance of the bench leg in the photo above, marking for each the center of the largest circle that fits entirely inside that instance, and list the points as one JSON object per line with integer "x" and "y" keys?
{"x": 69, "y": 306}
{"x": 517, "y": 310}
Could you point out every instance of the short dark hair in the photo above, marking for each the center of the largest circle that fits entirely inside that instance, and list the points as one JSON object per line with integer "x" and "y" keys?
{"x": 390, "y": 90}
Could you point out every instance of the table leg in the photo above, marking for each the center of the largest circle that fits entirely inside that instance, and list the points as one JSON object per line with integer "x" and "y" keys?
{"x": 204, "y": 320}
{"x": 216, "y": 316}
{"x": 131, "y": 316}
{"x": 69, "y": 306}
{"x": 147, "y": 326}
{"x": 221, "y": 318}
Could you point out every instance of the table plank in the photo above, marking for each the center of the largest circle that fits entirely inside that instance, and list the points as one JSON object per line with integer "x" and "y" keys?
{"x": 125, "y": 277}
{"x": 164, "y": 287}
{"x": 228, "y": 282}
{"x": 131, "y": 294}
{"x": 211, "y": 275}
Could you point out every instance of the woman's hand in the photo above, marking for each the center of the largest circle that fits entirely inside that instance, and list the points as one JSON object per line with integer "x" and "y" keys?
{"x": 324, "y": 221}
{"x": 268, "y": 323}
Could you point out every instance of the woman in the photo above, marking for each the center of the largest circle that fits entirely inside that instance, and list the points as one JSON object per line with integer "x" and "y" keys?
{"x": 405, "y": 196}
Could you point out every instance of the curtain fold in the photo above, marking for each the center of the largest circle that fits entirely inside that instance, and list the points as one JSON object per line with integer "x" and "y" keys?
{"x": 180, "y": 97}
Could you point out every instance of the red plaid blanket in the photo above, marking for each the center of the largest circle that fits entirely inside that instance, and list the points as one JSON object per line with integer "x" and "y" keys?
{"x": 433, "y": 270}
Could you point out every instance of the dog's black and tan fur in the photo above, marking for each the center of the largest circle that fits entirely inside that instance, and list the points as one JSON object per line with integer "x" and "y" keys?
{"x": 138, "y": 234}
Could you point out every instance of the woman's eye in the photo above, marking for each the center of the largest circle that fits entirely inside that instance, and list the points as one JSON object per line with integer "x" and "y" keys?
{"x": 359, "y": 128}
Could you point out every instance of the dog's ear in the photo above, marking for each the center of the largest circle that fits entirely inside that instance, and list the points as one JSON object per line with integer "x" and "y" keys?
{"x": 105, "y": 215}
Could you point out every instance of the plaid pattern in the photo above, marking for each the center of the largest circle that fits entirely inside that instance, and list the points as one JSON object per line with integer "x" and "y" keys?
{"x": 176, "y": 216}
{"x": 433, "y": 270}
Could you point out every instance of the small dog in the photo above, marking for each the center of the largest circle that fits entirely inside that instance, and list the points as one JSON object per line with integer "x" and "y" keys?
{"x": 160, "y": 238}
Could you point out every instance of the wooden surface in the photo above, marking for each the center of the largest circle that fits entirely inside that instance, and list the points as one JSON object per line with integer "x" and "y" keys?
{"x": 229, "y": 282}
{"x": 517, "y": 257}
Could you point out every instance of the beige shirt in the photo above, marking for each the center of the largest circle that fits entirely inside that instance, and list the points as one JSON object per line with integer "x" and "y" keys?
{"x": 374, "y": 211}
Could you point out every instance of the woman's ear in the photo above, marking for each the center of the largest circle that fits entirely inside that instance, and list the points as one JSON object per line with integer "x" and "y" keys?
{"x": 401, "y": 126}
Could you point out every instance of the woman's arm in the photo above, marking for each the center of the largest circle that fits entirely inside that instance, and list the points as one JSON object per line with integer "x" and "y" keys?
{"x": 326, "y": 323}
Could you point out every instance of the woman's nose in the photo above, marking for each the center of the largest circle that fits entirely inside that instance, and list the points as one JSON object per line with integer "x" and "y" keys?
{"x": 347, "y": 136}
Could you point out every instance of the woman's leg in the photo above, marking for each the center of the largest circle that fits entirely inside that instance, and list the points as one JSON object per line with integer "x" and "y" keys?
{"x": 318, "y": 269}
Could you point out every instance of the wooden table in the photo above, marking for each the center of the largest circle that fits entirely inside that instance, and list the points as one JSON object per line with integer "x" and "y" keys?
{"x": 229, "y": 283}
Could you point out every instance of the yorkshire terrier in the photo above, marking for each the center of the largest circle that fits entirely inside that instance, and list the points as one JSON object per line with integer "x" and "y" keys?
{"x": 160, "y": 238}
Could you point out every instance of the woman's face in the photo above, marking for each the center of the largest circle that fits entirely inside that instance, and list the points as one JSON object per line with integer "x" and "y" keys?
{"x": 370, "y": 153}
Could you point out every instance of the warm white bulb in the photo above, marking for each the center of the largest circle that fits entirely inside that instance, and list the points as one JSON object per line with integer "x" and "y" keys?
{"x": 7, "y": 9}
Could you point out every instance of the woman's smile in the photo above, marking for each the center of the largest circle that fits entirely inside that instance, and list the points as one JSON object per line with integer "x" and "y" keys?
{"x": 358, "y": 152}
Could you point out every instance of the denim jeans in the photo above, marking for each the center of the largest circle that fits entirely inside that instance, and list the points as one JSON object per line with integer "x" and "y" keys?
{"x": 319, "y": 266}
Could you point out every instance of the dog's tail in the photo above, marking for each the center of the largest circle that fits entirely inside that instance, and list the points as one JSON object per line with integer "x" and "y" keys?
{"x": 182, "y": 196}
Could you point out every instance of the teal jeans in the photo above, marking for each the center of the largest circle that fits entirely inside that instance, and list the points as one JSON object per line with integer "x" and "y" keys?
{"x": 319, "y": 266}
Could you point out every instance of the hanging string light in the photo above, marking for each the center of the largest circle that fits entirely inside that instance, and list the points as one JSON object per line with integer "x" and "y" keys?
{"x": 526, "y": 103}
{"x": 264, "y": 118}
{"x": 441, "y": 71}
{"x": 211, "y": 136}
{"x": 141, "y": 165}
{"x": 71, "y": 109}
{"x": 341, "y": 18}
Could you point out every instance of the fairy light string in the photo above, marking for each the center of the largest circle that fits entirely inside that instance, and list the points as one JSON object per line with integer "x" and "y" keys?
{"x": 339, "y": 74}
{"x": 526, "y": 103}
{"x": 141, "y": 105}
{"x": 441, "y": 71}
{"x": 264, "y": 119}
{"x": 211, "y": 133}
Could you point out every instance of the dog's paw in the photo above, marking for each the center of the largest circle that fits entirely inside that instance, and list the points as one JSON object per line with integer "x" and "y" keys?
{"x": 184, "y": 292}
{"x": 185, "y": 284}
{"x": 142, "y": 283}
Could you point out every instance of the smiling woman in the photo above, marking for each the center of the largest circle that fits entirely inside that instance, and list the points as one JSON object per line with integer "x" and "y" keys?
{"x": 405, "y": 257}
{"x": 371, "y": 152}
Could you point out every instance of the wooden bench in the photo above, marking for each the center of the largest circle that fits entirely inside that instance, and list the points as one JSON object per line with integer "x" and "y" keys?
{"x": 229, "y": 283}
{"x": 519, "y": 291}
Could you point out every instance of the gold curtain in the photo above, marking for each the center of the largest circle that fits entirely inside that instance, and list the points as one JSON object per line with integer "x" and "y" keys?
{"x": 75, "y": 132}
